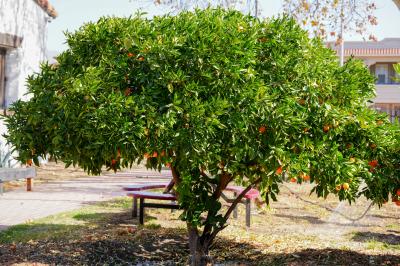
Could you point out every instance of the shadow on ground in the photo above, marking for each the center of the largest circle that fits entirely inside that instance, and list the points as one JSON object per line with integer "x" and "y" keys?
{"x": 113, "y": 238}
{"x": 391, "y": 239}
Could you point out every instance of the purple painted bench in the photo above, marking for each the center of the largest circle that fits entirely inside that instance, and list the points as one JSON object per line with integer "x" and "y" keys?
{"x": 137, "y": 192}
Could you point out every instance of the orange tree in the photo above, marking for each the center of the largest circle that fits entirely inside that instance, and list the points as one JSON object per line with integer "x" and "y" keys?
{"x": 221, "y": 97}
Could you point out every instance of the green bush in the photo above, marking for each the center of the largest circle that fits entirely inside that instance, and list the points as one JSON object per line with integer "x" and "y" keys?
{"x": 220, "y": 96}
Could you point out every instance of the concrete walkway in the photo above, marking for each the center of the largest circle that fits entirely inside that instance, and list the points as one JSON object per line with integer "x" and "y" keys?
{"x": 19, "y": 206}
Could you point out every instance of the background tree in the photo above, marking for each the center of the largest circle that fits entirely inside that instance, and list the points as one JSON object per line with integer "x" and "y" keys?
{"x": 246, "y": 6}
{"x": 334, "y": 18}
{"x": 220, "y": 96}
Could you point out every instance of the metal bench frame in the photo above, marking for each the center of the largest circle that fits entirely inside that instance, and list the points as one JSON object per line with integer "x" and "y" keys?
{"x": 173, "y": 206}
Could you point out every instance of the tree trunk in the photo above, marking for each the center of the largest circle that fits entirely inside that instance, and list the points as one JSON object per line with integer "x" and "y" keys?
{"x": 198, "y": 251}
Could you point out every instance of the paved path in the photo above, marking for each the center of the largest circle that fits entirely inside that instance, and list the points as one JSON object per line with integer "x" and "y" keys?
{"x": 19, "y": 206}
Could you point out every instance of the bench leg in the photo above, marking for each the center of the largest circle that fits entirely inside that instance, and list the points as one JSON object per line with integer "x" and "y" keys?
{"x": 134, "y": 207}
{"x": 141, "y": 214}
{"x": 173, "y": 202}
{"x": 29, "y": 183}
{"x": 235, "y": 214}
{"x": 248, "y": 212}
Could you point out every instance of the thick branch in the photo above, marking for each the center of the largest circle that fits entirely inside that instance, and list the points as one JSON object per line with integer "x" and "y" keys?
{"x": 233, "y": 206}
{"x": 176, "y": 179}
{"x": 240, "y": 197}
{"x": 225, "y": 179}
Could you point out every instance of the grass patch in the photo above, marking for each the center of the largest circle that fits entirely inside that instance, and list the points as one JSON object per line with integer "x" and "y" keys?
{"x": 65, "y": 225}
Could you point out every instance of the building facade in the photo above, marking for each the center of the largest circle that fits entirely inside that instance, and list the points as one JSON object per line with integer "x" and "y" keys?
{"x": 23, "y": 37}
{"x": 380, "y": 57}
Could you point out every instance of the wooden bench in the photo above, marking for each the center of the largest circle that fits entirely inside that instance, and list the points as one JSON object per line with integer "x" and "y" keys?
{"x": 137, "y": 192}
{"x": 142, "y": 195}
{"x": 141, "y": 187}
{"x": 11, "y": 174}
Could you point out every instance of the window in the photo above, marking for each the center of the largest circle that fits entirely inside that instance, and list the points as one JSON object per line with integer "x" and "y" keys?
{"x": 382, "y": 73}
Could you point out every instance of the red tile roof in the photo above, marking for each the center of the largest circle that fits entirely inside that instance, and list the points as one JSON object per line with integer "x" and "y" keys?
{"x": 386, "y": 47}
{"x": 373, "y": 52}
{"x": 47, "y": 7}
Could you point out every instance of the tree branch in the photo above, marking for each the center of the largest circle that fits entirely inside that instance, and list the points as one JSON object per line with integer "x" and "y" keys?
{"x": 176, "y": 179}
{"x": 232, "y": 207}
{"x": 225, "y": 179}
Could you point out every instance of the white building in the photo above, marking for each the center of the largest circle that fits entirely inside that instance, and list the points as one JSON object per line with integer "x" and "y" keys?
{"x": 380, "y": 58}
{"x": 23, "y": 37}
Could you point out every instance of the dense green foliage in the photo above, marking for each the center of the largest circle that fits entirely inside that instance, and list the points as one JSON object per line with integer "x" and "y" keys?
{"x": 214, "y": 93}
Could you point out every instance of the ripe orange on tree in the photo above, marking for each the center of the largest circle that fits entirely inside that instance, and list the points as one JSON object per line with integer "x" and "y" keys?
{"x": 373, "y": 163}
{"x": 131, "y": 54}
{"x": 262, "y": 129}
{"x": 326, "y": 128}
{"x": 398, "y": 192}
{"x": 345, "y": 186}
{"x": 293, "y": 180}
{"x": 305, "y": 177}
{"x": 279, "y": 170}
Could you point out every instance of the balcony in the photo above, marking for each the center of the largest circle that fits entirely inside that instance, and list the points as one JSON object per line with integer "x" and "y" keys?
{"x": 387, "y": 93}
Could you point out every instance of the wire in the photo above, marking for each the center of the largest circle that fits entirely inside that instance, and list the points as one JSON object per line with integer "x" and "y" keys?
{"x": 330, "y": 209}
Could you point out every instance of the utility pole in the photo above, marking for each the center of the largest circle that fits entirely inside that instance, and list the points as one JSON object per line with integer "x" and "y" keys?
{"x": 341, "y": 33}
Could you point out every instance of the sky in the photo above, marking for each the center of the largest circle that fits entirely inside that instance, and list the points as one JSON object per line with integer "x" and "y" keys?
{"x": 74, "y": 13}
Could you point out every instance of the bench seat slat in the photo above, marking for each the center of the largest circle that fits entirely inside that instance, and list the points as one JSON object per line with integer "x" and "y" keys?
{"x": 145, "y": 186}
{"x": 151, "y": 195}
{"x": 251, "y": 194}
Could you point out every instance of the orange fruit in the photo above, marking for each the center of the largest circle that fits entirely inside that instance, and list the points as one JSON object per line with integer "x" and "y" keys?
{"x": 398, "y": 192}
{"x": 373, "y": 163}
{"x": 163, "y": 153}
{"x": 302, "y": 102}
{"x": 141, "y": 58}
{"x": 168, "y": 165}
{"x": 155, "y": 154}
{"x": 262, "y": 129}
{"x": 379, "y": 122}
{"x": 326, "y": 128}
{"x": 29, "y": 162}
{"x": 131, "y": 55}
{"x": 279, "y": 170}
{"x": 113, "y": 162}
{"x": 338, "y": 188}
{"x": 306, "y": 177}
{"x": 293, "y": 180}
{"x": 345, "y": 186}
{"x": 373, "y": 146}
{"x": 146, "y": 155}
